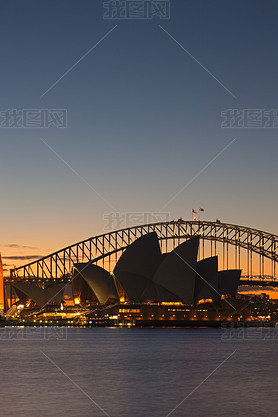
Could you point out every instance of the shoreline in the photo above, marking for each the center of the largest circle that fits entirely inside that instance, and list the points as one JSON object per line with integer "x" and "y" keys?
{"x": 141, "y": 324}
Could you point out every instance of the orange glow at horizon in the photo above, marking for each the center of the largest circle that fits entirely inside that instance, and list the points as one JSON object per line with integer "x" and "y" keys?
{"x": 273, "y": 294}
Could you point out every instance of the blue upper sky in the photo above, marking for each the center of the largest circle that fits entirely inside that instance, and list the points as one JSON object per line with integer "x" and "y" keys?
{"x": 144, "y": 117}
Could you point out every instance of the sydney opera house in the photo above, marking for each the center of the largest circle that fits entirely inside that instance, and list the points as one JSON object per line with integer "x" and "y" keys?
{"x": 148, "y": 286}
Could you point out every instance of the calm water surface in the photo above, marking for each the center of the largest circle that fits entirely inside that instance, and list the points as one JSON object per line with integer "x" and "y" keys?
{"x": 138, "y": 372}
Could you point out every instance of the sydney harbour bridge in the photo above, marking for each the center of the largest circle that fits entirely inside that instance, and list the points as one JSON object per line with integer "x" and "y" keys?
{"x": 237, "y": 247}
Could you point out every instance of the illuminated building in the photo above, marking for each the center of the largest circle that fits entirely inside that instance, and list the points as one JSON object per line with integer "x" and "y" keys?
{"x": 2, "y": 288}
{"x": 162, "y": 288}
{"x": 149, "y": 286}
{"x": 28, "y": 293}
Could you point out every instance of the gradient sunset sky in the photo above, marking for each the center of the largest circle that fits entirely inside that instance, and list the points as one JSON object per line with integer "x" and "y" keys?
{"x": 144, "y": 118}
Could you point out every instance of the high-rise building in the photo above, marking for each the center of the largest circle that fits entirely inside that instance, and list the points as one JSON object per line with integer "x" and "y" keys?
{"x": 2, "y": 297}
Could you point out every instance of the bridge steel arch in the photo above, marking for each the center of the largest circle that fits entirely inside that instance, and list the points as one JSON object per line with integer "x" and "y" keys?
{"x": 58, "y": 265}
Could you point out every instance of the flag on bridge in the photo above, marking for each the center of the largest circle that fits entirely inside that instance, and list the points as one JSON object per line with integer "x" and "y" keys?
{"x": 201, "y": 209}
{"x": 193, "y": 211}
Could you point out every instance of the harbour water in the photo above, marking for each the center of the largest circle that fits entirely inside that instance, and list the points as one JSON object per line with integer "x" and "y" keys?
{"x": 133, "y": 372}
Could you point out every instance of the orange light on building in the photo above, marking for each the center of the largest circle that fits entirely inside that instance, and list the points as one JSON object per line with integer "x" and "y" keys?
{"x": 171, "y": 303}
{"x": 205, "y": 300}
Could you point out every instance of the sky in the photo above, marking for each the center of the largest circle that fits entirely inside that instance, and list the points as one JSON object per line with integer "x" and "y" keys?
{"x": 144, "y": 127}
